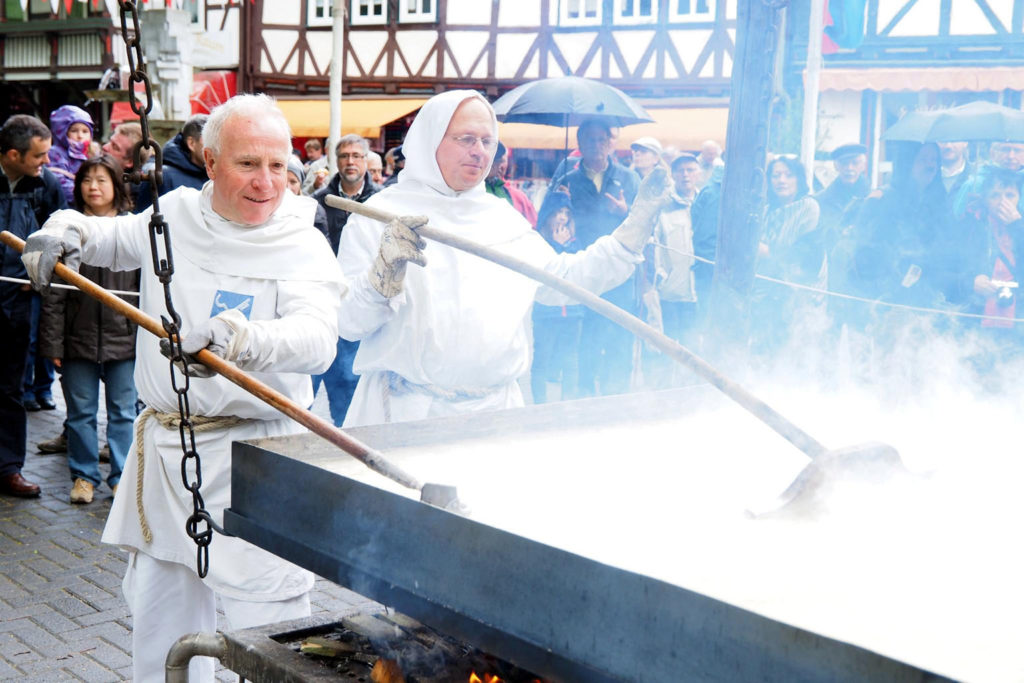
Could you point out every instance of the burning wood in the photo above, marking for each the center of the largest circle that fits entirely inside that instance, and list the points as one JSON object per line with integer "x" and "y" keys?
{"x": 387, "y": 671}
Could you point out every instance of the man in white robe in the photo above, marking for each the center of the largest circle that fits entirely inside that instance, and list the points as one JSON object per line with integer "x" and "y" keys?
{"x": 254, "y": 284}
{"x": 450, "y": 337}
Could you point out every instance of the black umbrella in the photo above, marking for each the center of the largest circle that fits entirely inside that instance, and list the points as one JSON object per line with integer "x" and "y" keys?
{"x": 972, "y": 121}
{"x": 568, "y": 100}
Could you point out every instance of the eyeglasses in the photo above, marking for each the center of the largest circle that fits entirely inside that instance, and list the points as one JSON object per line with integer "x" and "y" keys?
{"x": 354, "y": 156}
{"x": 469, "y": 141}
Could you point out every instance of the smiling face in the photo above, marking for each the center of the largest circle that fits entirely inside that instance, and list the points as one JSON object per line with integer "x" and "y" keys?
{"x": 31, "y": 162}
{"x": 464, "y": 168}
{"x": 250, "y": 172}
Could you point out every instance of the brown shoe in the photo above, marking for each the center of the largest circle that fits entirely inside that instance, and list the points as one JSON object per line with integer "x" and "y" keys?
{"x": 58, "y": 444}
{"x": 17, "y": 485}
{"x": 105, "y": 453}
{"x": 81, "y": 492}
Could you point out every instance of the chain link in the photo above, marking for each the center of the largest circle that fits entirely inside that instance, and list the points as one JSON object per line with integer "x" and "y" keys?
{"x": 200, "y": 525}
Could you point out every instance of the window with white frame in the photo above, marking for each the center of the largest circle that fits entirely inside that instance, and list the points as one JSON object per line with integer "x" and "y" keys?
{"x": 636, "y": 11}
{"x": 691, "y": 10}
{"x": 417, "y": 10}
{"x": 368, "y": 12}
{"x": 319, "y": 13}
{"x": 579, "y": 12}
{"x": 197, "y": 13}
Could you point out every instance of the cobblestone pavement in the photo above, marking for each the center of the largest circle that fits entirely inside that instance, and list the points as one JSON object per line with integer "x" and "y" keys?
{"x": 62, "y": 615}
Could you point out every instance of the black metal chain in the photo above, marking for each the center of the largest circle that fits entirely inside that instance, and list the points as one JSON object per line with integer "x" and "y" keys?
{"x": 200, "y": 525}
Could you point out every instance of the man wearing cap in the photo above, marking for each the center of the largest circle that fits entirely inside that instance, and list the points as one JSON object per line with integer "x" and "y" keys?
{"x": 646, "y": 155}
{"x": 840, "y": 200}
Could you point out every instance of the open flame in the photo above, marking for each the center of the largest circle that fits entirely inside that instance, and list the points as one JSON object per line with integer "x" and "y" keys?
{"x": 488, "y": 678}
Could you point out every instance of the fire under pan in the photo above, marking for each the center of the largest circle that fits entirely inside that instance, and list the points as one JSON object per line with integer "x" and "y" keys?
{"x": 555, "y": 611}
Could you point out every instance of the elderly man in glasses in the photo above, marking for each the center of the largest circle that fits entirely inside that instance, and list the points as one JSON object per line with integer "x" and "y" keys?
{"x": 352, "y": 181}
{"x": 448, "y": 336}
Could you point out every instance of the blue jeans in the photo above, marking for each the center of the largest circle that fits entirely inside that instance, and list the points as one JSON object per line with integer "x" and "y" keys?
{"x": 339, "y": 381}
{"x": 38, "y": 370}
{"x": 81, "y": 391}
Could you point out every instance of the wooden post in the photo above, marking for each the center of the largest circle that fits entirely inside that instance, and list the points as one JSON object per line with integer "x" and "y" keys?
{"x": 337, "y": 65}
{"x": 743, "y": 185}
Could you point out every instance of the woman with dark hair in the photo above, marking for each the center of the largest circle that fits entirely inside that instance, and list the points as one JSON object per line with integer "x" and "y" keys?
{"x": 89, "y": 343}
{"x": 900, "y": 250}
{"x": 556, "y": 329}
{"x": 900, "y": 240}
{"x": 791, "y": 249}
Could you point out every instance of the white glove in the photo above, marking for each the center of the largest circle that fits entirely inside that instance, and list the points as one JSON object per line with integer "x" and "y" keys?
{"x": 227, "y": 335}
{"x": 655, "y": 191}
{"x": 60, "y": 239}
{"x": 399, "y": 245}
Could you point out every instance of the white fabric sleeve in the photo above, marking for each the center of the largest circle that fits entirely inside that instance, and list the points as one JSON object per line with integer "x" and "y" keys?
{"x": 304, "y": 336}
{"x": 364, "y": 310}
{"x": 601, "y": 266}
{"x": 118, "y": 243}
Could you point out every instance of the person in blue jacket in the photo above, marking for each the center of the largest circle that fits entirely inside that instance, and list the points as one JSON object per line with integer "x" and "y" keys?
{"x": 29, "y": 193}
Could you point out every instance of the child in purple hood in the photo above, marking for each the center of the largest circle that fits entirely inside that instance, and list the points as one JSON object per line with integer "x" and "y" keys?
{"x": 72, "y": 129}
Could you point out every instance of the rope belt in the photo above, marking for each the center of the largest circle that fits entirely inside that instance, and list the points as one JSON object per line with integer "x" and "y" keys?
{"x": 396, "y": 385}
{"x": 200, "y": 423}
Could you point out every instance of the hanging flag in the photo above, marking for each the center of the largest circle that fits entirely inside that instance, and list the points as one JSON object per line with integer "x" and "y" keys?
{"x": 24, "y": 6}
{"x": 54, "y": 6}
{"x": 67, "y": 6}
{"x": 847, "y": 29}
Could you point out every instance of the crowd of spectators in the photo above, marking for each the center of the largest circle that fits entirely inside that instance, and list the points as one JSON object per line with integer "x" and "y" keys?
{"x": 935, "y": 247}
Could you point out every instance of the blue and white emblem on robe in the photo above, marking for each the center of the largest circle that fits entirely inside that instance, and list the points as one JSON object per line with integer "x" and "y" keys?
{"x": 225, "y": 301}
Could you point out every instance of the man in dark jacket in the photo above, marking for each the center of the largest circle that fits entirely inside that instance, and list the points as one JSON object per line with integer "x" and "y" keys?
{"x": 183, "y": 163}
{"x": 840, "y": 201}
{"x": 29, "y": 193}
{"x": 352, "y": 181}
{"x": 602, "y": 191}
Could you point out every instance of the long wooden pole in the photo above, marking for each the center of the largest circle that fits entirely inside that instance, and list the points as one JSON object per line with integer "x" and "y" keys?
{"x": 357, "y": 449}
{"x": 799, "y": 438}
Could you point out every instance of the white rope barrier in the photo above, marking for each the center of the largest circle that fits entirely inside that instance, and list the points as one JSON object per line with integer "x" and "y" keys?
{"x": 850, "y": 297}
{"x": 60, "y": 286}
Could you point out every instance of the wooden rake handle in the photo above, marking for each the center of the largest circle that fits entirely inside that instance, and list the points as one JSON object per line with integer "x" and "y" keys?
{"x": 360, "y": 451}
{"x": 761, "y": 410}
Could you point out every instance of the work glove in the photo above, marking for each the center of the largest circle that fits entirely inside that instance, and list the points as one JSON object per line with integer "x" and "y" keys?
{"x": 60, "y": 239}
{"x": 227, "y": 335}
{"x": 399, "y": 245}
{"x": 655, "y": 191}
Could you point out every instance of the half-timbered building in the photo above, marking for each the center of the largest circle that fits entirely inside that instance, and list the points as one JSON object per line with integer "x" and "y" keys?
{"x": 912, "y": 54}
{"x": 674, "y": 56}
